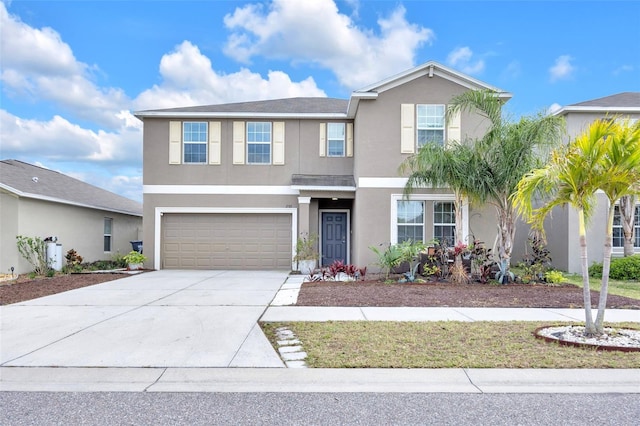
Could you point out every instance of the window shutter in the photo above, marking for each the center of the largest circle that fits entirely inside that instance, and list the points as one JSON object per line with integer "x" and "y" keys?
{"x": 215, "y": 142}
{"x": 349, "y": 139}
{"x": 453, "y": 128}
{"x": 238, "y": 142}
{"x": 323, "y": 139}
{"x": 278, "y": 143}
{"x": 175, "y": 142}
{"x": 408, "y": 132}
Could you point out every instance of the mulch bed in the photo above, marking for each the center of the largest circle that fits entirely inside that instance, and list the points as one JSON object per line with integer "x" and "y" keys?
{"x": 25, "y": 288}
{"x": 376, "y": 293}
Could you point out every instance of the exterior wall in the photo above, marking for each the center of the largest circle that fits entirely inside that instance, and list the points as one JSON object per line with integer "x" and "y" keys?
{"x": 302, "y": 156}
{"x": 578, "y": 122}
{"x": 9, "y": 211}
{"x": 76, "y": 227}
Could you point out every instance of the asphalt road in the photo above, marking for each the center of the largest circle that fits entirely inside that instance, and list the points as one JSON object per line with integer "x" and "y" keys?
{"x": 43, "y": 408}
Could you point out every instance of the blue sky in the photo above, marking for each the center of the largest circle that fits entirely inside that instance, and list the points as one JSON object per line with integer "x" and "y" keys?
{"x": 74, "y": 71}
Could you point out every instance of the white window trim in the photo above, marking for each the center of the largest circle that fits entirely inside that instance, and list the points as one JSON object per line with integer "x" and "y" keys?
{"x": 110, "y": 235}
{"x": 344, "y": 139}
{"x": 160, "y": 211}
{"x": 270, "y": 143}
{"x": 620, "y": 250}
{"x": 393, "y": 235}
{"x": 424, "y": 209}
{"x": 205, "y": 143}
{"x": 443, "y": 128}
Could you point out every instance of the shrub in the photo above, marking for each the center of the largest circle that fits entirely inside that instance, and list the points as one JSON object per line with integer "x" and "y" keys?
{"x": 622, "y": 268}
{"x": 34, "y": 251}
{"x": 553, "y": 277}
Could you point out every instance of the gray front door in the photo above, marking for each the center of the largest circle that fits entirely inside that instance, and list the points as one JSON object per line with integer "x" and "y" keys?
{"x": 334, "y": 237}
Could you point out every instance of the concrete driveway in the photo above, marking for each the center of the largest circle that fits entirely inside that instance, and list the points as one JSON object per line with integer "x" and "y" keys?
{"x": 156, "y": 319}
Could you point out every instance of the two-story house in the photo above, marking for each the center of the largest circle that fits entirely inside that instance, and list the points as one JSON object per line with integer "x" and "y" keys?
{"x": 232, "y": 186}
{"x": 562, "y": 227}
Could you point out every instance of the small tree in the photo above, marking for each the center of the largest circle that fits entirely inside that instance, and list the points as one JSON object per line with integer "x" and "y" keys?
{"x": 34, "y": 251}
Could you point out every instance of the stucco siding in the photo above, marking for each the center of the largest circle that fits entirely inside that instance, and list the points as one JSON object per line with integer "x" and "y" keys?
{"x": 76, "y": 227}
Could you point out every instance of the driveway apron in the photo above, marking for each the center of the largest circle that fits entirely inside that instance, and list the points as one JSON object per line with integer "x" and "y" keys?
{"x": 157, "y": 319}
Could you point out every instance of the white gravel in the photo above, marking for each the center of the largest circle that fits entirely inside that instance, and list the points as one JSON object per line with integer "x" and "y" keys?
{"x": 617, "y": 337}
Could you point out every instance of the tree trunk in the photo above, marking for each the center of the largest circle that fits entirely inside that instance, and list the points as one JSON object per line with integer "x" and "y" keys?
{"x": 627, "y": 210}
{"x": 457, "y": 205}
{"x": 606, "y": 264}
{"x": 589, "y": 328}
{"x": 507, "y": 227}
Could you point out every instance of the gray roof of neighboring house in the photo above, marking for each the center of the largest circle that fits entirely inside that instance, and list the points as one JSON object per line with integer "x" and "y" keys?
{"x": 29, "y": 181}
{"x": 273, "y": 107}
{"x": 624, "y": 99}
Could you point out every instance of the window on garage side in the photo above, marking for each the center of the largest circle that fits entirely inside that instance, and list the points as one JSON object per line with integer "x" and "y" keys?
{"x": 259, "y": 143}
{"x": 618, "y": 231}
{"x": 410, "y": 221}
{"x": 108, "y": 229}
{"x": 430, "y": 124}
{"x": 335, "y": 139}
{"x": 194, "y": 138}
{"x": 444, "y": 222}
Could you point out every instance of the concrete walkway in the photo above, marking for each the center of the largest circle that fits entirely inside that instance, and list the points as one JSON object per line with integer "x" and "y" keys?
{"x": 180, "y": 331}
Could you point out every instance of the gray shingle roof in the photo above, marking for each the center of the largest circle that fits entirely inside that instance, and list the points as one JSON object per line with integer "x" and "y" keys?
{"x": 31, "y": 181}
{"x": 274, "y": 106}
{"x": 624, "y": 99}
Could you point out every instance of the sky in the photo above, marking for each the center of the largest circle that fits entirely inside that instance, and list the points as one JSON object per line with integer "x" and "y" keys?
{"x": 73, "y": 72}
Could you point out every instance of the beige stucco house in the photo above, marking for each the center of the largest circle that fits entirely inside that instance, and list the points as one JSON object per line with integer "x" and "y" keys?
{"x": 38, "y": 202}
{"x": 234, "y": 185}
{"x": 562, "y": 227}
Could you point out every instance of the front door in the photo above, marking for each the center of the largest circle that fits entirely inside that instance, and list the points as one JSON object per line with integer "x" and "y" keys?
{"x": 334, "y": 237}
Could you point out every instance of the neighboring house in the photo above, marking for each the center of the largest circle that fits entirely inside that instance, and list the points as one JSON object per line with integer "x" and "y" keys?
{"x": 38, "y": 202}
{"x": 562, "y": 227}
{"x": 234, "y": 185}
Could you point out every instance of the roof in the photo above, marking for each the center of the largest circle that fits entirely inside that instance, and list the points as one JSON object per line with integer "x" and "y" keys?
{"x": 29, "y": 181}
{"x": 321, "y": 108}
{"x": 312, "y": 107}
{"x": 332, "y": 182}
{"x": 620, "y": 102}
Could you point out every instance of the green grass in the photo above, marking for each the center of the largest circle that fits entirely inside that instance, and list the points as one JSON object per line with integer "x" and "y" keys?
{"x": 621, "y": 288}
{"x": 442, "y": 344}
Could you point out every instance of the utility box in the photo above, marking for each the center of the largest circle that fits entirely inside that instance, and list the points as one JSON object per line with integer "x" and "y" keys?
{"x": 54, "y": 256}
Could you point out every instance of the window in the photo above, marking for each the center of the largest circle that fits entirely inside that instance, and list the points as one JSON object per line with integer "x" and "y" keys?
{"x": 108, "y": 226}
{"x": 410, "y": 221}
{"x": 430, "y": 124}
{"x": 194, "y": 137}
{"x": 444, "y": 222}
{"x": 259, "y": 143}
{"x": 618, "y": 232}
{"x": 335, "y": 139}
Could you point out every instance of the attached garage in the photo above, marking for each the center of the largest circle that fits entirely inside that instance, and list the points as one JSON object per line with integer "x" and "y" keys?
{"x": 226, "y": 241}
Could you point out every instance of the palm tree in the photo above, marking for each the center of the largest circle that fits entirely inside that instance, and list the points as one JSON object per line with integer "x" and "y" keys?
{"x": 438, "y": 165}
{"x": 622, "y": 166}
{"x": 627, "y": 217}
{"x": 572, "y": 176}
{"x": 503, "y": 155}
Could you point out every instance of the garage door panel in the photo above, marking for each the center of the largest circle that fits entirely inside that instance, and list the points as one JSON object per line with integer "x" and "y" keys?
{"x": 226, "y": 241}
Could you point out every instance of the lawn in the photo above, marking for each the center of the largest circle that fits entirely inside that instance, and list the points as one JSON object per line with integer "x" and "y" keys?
{"x": 443, "y": 344}
{"x": 618, "y": 287}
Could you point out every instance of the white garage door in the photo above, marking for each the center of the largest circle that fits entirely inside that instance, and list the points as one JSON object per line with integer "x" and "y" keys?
{"x": 226, "y": 241}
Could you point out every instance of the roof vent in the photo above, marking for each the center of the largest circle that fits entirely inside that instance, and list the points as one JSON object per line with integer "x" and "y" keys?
{"x": 35, "y": 179}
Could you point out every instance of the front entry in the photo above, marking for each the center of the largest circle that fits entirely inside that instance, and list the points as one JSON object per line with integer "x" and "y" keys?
{"x": 334, "y": 237}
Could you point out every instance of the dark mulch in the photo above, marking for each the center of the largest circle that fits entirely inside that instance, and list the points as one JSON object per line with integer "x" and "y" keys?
{"x": 375, "y": 293}
{"x": 27, "y": 289}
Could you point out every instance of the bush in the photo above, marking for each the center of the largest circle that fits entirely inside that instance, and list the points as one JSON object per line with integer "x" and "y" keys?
{"x": 34, "y": 251}
{"x": 553, "y": 277}
{"x": 622, "y": 268}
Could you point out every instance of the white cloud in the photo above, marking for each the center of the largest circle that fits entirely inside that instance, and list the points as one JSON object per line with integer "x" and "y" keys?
{"x": 461, "y": 59}
{"x": 189, "y": 79}
{"x": 553, "y": 108}
{"x": 332, "y": 40}
{"x": 562, "y": 69}
{"x": 622, "y": 69}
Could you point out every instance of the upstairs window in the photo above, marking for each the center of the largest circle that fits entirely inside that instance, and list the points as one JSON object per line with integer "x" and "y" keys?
{"x": 194, "y": 137}
{"x": 259, "y": 143}
{"x": 108, "y": 227}
{"x": 430, "y": 124}
{"x": 335, "y": 139}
